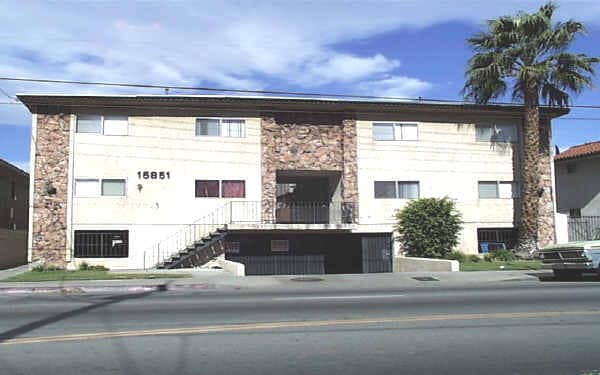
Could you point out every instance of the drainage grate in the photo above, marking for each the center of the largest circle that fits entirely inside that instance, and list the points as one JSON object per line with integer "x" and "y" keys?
{"x": 307, "y": 279}
{"x": 425, "y": 278}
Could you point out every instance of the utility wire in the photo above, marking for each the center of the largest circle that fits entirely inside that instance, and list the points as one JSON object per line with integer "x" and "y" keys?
{"x": 269, "y": 92}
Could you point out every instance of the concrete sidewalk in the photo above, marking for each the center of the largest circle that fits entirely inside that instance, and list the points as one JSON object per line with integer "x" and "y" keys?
{"x": 222, "y": 281}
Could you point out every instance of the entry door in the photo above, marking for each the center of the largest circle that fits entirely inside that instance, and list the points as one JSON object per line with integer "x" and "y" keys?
{"x": 377, "y": 253}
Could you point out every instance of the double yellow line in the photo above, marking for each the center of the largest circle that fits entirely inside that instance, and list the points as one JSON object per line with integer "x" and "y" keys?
{"x": 298, "y": 324}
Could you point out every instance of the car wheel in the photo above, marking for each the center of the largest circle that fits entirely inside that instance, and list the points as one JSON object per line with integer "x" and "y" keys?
{"x": 567, "y": 274}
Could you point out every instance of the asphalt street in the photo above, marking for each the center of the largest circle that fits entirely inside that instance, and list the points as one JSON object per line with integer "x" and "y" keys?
{"x": 515, "y": 327}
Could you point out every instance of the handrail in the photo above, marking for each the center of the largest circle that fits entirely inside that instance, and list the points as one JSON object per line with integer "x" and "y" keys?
{"x": 248, "y": 212}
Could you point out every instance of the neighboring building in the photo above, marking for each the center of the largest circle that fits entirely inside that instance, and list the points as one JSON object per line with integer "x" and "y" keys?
{"x": 14, "y": 209}
{"x": 296, "y": 185}
{"x": 577, "y": 172}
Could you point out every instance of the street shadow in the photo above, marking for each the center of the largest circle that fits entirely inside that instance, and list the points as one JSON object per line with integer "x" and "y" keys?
{"x": 549, "y": 277}
{"x": 15, "y": 332}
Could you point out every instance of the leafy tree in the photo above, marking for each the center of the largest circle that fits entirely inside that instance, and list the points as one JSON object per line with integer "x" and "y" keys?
{"x": 528, "y": 53}
{"x": 429, "y": 227}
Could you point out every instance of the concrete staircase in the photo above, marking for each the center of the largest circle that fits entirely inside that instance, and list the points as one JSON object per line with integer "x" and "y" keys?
{"x": 198, "y": 253}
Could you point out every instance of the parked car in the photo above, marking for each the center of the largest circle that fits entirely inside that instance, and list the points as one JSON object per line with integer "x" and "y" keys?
{"x": 572, "y": 259}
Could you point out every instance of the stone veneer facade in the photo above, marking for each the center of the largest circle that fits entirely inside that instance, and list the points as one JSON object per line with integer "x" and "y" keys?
{"x": 51, "y": 166}
{"x": 546, "y": 234}
{"x": 309, "y": 143}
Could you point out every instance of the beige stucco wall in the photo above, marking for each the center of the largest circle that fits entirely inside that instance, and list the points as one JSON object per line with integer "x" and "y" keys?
{"x": 161, "y": 206}
{"x": 579, "y": 189}
{"x": 447, "y": 161}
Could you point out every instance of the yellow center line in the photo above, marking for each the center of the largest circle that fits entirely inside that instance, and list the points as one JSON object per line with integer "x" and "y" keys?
{"x": 292, "y": 324}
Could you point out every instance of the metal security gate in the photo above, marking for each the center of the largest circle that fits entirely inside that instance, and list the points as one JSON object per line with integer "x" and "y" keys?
{"x": 377, "y": 253}
{"x": 585, "y": 228}
{"x": 282, "y": 264}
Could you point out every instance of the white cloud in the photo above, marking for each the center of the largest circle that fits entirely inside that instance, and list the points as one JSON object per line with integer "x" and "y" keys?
{"x": 346, "y": 68}
{"x": 239, "y": 44}
{"x": 396, "y": 86}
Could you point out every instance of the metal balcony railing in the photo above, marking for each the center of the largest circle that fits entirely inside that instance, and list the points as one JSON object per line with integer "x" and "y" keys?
{"x": 251, "y": 212}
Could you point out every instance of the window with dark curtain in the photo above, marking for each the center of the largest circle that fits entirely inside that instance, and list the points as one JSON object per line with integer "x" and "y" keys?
{"x": 233, "y": 189}
{"x": 207, "y": 188}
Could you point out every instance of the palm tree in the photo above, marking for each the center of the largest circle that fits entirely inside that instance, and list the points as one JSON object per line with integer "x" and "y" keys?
{"x": 528, "y": 53}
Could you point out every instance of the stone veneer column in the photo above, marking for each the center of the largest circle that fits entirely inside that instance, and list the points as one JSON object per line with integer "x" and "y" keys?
{"x": 307, "y": 142}
{"x": 268, "y": 169}
{"x": 49, "y": 237}
{"x": 350, "y": 167}
{"x": 545, "y": 224}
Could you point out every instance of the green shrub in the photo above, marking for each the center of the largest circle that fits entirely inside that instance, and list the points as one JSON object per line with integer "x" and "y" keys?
{"x": 474, "y": 258}
{"x": 503, "y": 255}
{"x": 457, "y": 255}
{"x": 489, "y": 257}
{"x": 429, "y": 227}
{"x": 84, "y": 266}
{"x": 44, "y": 268}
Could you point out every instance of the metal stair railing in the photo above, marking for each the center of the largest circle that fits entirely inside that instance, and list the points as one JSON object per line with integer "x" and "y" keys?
{"x": 188, "y": 236}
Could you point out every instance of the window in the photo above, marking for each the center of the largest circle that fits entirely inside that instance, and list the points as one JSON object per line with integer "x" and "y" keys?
{"x": 207, "y": 188}
{"x": 496, "y": 133}
{"x": 98, "y": 124}
{"x": 91, "y": 187}
{"x": 220, "y": 127}
{"x": 207, "y": 127}
{"x": 280, "y": 246}
{"x": 116, "y": 125}
{"x": 397, "y": 189}
{"x": 101, "y": 244}
{"x": 498, "y": 189}
{"x": 575, "y": 212}
{"x": 388, "y": 131}
{"x": 113, "y": 187}
{"x": 489, "y": 239}
{"x": 233, "y": 189}
{"x": 89, "y": 124}
{"x": 232, "y": 128}
{"x": 86, "y": 187}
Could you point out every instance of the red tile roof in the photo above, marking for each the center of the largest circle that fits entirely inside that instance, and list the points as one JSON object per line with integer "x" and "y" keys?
{"x": 578, "y": 151}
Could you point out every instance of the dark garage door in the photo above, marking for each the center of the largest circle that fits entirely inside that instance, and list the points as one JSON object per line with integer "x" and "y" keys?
{"x": 377, "y": 253}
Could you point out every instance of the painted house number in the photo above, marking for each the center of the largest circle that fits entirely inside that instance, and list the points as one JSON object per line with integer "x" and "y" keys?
{"x": 154, "y": 175}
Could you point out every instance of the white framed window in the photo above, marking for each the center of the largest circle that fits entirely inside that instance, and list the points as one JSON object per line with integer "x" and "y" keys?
{"x": 498, "y": 189}
{"x": 395, "y": 131}
{"x": 114, "y": 187}
{"x": 99, "y": 124}
{"x": 87, "y": 187}
{"x": 506, "y": 133}
{"x": 89, "y": 124}
{"x": 215, "y": 127}
{"x": 116, "y": 125}
{"x": 396, "y": 189}
{"x": 95, "y": 187}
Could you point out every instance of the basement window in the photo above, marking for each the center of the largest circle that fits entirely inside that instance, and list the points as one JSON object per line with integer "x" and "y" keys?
{"x": 101, "y": 244}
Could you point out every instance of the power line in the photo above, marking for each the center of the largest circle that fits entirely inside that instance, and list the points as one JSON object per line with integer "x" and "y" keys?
{"x": 267, "y": 92}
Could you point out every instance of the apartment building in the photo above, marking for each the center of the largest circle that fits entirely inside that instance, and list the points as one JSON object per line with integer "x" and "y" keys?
{"x": 283, "y": 185}
{"x": 14, "y": 198}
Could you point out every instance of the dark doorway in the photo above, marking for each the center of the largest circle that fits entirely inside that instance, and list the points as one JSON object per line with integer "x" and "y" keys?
{"x": 377, "y": 253}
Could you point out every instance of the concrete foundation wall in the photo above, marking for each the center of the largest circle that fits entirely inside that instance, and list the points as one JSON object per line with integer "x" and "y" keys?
{"x": 409, "y": 264}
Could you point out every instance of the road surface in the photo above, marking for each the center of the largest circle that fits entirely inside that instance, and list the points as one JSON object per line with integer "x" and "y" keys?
{"x": 516, "y": 327}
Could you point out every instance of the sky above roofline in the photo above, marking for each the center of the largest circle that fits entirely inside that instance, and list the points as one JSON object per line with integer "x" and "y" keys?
{"x": 400, "y": 49}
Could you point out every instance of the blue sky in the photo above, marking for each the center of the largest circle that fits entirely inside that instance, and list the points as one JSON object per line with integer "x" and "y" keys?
{"x": 391, "y": 48}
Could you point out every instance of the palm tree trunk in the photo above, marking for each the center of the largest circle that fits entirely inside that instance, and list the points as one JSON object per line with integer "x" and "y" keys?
{"x": 528, "y": 217}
